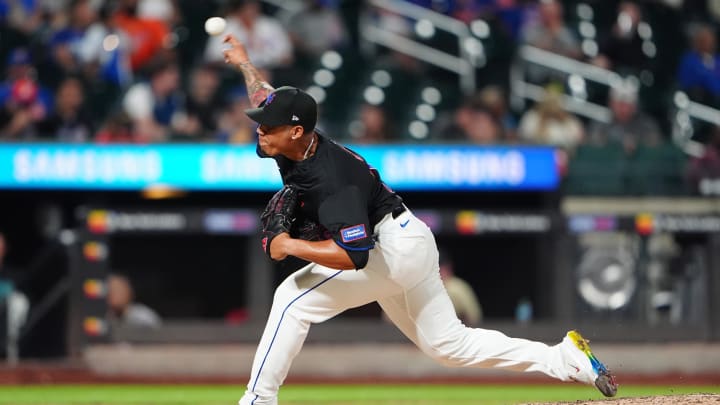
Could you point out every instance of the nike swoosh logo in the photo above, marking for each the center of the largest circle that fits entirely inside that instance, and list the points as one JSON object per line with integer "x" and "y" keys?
{"x": 404, "y": 224}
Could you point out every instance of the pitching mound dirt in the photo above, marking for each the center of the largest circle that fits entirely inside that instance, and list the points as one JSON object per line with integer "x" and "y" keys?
{"x": 656, "y": 400}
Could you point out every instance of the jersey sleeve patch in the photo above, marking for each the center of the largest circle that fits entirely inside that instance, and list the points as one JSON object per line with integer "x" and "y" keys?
{"x": 353, "y": 233}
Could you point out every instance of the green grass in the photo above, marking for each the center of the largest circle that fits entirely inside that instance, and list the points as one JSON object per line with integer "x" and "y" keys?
{"x": 323, "y": 394}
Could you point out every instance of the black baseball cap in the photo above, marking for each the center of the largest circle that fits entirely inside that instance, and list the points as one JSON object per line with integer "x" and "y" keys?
{"x": 286, "y": 106}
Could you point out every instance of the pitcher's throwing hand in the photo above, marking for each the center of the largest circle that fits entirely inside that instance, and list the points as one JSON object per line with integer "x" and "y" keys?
{"x": 236, "y": 54}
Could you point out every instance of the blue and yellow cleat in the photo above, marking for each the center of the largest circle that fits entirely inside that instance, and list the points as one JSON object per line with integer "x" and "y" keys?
{"x": 584, "y": 366}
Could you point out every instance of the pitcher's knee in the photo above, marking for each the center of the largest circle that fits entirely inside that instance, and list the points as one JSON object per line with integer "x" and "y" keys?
{"x": 309, "y": 309}
{"x": 286, "y": 289}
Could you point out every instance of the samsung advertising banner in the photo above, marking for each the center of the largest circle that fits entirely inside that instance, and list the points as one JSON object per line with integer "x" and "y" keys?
{"x": 220, "y": 167}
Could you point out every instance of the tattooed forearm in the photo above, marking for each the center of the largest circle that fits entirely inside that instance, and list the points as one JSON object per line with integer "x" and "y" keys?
{"x": 257, "y": 87}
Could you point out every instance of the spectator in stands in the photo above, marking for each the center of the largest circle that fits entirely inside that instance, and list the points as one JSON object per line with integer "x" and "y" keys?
{"x": 629, "y": 126}
{"x": 166, "y": 11}
{"x": 156, "y": 107}
{"x": 147, "y": 36}
{"x": 372, "y": 125}
{"x": 22, "y": 111}
{"x": 20, "y": 66}
{"x": 105, "y": 49}
{"x": 548, "y": 123}
{"x": 25, "y": 17}
{"x": 123, "y": 310}
{"x": 234, "y": 125}
{"x": 69, "y": 121}
{"x": 316, "y": 28}
{"x": 494, "y": 99}
{"x": 267, "y": 41}
{"x": 699, "y": 72}
{"x": 204, "y": 102}
{"x": 707, "y": 166}
{"x": 64, "y": 43}
{"x": 622, "y": 48}
{"x": 550, "y": 32}
{"x": 480, "y": 126}
{"x": 461, "y": 294}
{"x": 473, "y": 122}
{"x": 117, "y": 128}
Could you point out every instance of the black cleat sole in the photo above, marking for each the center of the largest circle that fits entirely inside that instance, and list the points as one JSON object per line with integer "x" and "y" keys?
{"x": 606, "y": 384}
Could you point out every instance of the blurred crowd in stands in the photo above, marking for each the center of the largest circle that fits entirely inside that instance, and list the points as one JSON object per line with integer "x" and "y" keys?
{"x": 144, "y": 71}
{"x": 141, "y": 70}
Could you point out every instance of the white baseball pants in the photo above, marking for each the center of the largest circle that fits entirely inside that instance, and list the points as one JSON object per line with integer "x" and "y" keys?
{"x": 402, "y": 276}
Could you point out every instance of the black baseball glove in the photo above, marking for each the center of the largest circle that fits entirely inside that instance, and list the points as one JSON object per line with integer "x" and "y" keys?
{"x": 279, "y": 215}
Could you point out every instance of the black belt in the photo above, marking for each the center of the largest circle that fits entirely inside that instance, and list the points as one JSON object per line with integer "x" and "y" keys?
{"x": 398, "y": 210}
{"x": 395, "y": 212}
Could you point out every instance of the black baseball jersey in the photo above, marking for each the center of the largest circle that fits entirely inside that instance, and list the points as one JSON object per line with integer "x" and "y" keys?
{"x": 340, "y": 191}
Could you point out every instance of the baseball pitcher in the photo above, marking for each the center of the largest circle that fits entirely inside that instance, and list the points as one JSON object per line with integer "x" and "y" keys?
{"x": 363, "y": 245}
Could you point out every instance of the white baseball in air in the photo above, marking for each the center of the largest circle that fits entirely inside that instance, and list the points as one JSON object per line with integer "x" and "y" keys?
{"x": 215, "y": 25}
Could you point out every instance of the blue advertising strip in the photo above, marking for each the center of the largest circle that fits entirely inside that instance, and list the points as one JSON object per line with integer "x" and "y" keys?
{"x": 464, "y": 167}
{"x": 219, "y": 167}
{"x": 190, "y": 167}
